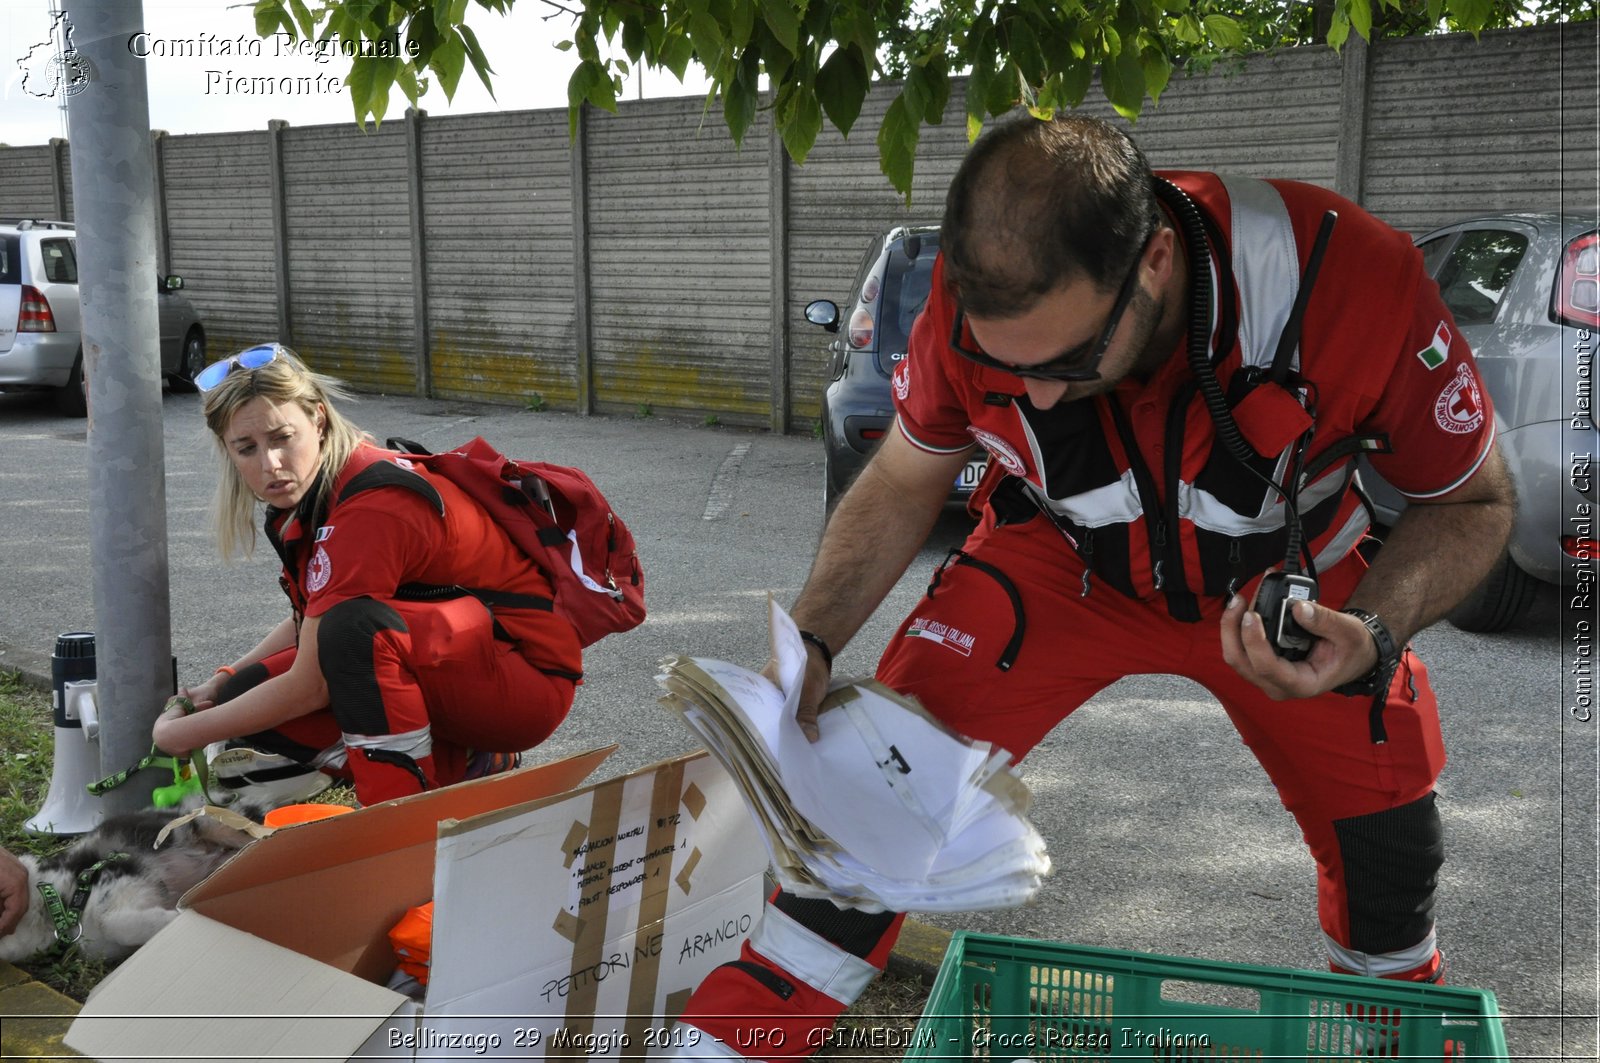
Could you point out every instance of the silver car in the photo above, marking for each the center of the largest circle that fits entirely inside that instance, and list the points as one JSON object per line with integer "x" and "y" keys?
{"x": 41, "y": 330}
{"x": 1525, "y": 292}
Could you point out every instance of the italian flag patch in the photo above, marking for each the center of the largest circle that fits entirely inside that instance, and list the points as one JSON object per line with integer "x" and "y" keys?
{"x": 1437, "y": 353}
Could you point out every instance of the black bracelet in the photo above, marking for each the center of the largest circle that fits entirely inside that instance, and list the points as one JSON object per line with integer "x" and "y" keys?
{"x": 822, "y": 647}
{"x": 1376, "y": 681}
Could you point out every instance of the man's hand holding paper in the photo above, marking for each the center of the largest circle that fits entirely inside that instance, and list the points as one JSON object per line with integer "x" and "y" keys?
{"x": 885, "y": 808}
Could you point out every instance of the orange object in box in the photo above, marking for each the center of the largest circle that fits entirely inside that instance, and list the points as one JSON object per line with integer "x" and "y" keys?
{"x": 412, "y": 938}
{"x": 289, "y": 815}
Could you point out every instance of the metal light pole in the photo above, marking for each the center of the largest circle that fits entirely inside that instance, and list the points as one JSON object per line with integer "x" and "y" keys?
{"x": 113, "y": 201}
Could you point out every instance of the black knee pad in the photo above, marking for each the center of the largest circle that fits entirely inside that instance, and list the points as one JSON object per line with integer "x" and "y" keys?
{"x": 344, "y": 652}
{"x": 1391, "y": 868}
{"x": 856, "y": 932}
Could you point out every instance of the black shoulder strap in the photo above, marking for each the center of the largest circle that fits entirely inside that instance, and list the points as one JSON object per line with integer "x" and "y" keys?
{"x": 388, "y": 474}
{"x": 1289, "y": 338}
{"x": 1370, "y": 444}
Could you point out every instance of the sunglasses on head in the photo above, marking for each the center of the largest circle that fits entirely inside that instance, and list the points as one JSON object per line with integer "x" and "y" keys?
{"x": 1075, "y": 365}
{"x": 249, "y": 358}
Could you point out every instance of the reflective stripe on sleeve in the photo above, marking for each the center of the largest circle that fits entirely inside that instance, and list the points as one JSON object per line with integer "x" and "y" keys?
{"x": 929, "y": 447}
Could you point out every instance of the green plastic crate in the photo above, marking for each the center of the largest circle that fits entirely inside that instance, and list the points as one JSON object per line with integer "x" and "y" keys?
{"x": 1005, "y": 999}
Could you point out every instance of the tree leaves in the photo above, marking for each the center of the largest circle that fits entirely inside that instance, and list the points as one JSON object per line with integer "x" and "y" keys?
{"x": 842, "y": 85}
{"x": 448, "y": 61}
{"x": 1040, "y": 54}
{"x": 799, "y": 119}
{"x": 271, "y": 16}
{"x": 897, "y": 144}
{"x": 590, "y": 83}
{"x": 369, "y": 82}
{"x": 1473, "y": 15}
{"x": 740, "y": 97}
{"x": 1227, "y": 33}
{"x": 1122, "y": 78}
{"x": 784, "y": 22}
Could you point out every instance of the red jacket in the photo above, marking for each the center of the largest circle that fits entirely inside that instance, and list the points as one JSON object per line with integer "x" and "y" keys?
{"x": 390, "y": 523}
{"x": 1137, "y": 479}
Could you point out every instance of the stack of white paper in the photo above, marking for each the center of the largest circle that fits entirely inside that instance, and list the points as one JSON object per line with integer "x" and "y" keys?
{"x": 887, "y": 810}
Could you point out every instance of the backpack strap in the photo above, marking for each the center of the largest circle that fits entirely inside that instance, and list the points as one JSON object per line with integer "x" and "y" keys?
{"x": 388, "y": 474}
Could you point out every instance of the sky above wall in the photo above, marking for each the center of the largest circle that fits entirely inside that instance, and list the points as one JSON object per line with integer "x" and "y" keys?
{"x": 200, "y": 79}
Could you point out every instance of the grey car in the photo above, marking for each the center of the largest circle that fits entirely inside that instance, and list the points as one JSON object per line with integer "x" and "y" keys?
{"x": 890, "y": 288}
{"x": 1525, "y": 293}
{"x": 41, "y": 329}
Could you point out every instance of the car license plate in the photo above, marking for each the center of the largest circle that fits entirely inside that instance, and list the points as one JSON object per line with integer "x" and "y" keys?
{"x": 971, "y": 473}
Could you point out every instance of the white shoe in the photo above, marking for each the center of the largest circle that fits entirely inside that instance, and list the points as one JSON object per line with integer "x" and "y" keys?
{"x": 267, "y": 780}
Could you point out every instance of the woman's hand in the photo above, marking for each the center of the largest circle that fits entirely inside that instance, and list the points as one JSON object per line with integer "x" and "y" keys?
{"x": 170, "y": 734}
{"x": 204, "y": 695}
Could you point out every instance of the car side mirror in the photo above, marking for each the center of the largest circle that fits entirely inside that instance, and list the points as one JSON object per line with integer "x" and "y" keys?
{"x": 173, "y": 283}
{"x": 823, "y": 312}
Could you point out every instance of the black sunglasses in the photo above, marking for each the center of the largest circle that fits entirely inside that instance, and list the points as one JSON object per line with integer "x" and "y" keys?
{"x": 1071, "y": 366}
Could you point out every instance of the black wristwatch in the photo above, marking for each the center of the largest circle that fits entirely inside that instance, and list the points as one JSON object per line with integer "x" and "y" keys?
{"x": 1376, "y": 681}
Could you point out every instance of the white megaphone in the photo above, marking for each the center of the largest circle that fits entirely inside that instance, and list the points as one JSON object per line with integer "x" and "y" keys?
{"x": 68, "y": 806}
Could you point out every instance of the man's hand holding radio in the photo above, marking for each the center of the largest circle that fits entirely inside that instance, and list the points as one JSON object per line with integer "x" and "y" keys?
{"x": 1341, "y": 650}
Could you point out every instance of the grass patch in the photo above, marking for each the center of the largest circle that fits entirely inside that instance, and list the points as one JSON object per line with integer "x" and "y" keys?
{"x": 27, "y": 735}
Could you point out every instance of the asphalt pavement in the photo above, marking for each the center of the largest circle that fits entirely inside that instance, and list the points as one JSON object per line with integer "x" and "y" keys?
{"x": 1165, "y": 835}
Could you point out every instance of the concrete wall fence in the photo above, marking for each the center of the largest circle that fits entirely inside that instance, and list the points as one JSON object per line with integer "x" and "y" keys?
{"x": 650, "y": 263}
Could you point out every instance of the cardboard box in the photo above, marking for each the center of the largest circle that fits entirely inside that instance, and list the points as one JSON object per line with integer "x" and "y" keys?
{"x": 567, "y": 923}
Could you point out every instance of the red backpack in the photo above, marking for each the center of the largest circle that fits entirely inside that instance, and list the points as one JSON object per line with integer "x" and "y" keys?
{"x": 559, "y": 518}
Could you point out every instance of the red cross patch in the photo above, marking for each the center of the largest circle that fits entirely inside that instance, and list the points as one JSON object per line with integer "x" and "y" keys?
{"x": 318, "y": 570}
{"x": 1459, "y": 407}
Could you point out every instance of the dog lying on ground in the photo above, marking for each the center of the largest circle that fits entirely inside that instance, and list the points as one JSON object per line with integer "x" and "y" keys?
{"x": 132, "y": 896}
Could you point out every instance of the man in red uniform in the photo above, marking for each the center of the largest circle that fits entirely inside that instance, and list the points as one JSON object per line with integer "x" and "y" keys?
{"x": 1172, "y": 376}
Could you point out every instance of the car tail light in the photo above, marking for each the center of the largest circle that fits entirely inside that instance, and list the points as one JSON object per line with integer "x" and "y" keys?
{"x": 1577, "y": 294}
{"x": 1581, "y": 547}
{"x": 861, "y": 323}
{"x": 861, "y": 328}
{"x": 872, "y": 433}
{"x": 34, "y": 315}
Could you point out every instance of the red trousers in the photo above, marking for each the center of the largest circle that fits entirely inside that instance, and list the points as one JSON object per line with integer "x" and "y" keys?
{"x": 413, "y": 689}
{"x": 1357, "y": 778}
{"x": 1005, "y": 646}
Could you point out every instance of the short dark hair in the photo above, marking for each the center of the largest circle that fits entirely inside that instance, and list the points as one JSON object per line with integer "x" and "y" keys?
{"x": 1037, "y": 202}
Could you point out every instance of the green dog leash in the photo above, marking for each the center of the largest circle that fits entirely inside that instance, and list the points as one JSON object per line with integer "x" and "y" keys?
{"x": 166, "y": 796}
{"x": 67, "y": 916}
